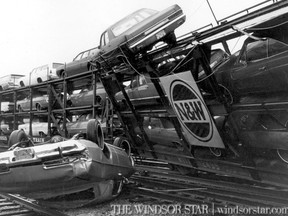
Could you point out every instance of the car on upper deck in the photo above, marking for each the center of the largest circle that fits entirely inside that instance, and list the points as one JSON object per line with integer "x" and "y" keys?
{"x": 142, "y": 91}
{"x": 81, "y": 63}
{"x": 86, "y": 94}
{"x": 10, "y": 81}
{"x": 39, "y": 102}
{"x": 40, "y": 74}
{"x": 142, "y": 29}
{"x": 259, "y": 68}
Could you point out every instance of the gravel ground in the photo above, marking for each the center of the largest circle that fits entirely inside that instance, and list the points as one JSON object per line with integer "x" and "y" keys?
{"x": 103, "y": 209}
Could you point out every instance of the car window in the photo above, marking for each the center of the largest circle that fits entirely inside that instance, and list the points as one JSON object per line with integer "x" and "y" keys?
{"x": 255, "y": 50}
{"x": 82, "y": 118}
{"x": 130, "y": 21}
{"x": 167, "y": 123}
{"x": 276, "y": 47}
{"x": 152, "y": 122}
{"x": 55, "y": 65}
{"x": 93, "y": 52}
{"x": 106, "y": 38}
{"x": 142, "y": 80}
{"x": 78, "y": 57}
{"x": 134, "y": 84}
{"x": 102, "y": 42}
{"x": 85, "y": 54}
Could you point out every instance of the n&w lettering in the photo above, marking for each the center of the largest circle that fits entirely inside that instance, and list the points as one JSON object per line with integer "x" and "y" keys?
{"x": 190, "y": 111}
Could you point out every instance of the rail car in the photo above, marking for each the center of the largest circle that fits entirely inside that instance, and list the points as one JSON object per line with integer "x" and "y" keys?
{"x": 214, "y": 129}
{"x": 48, "y": 114}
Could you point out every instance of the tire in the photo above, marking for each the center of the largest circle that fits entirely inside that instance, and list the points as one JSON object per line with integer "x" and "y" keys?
{"x": 69, "y": 103}
{"x": 91, "y": 67}
{"x": 39, "y": 80}
{"x": 16, "y": 137}
{"x": 95, "y": 133}
{"x": 117, "y": 188}
{"x": 20, "y": 109}
{"x": 123, "y": 143}
{"x": 38, "y": 107}
{"x": 283, "y": 155}
{"x": 216, "y": 151}
{"x": 98, "y": 100}
{"x": 63, "y": 74}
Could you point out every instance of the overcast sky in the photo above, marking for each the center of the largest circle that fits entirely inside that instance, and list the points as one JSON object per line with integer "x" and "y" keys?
{"x": 36, "y": 32}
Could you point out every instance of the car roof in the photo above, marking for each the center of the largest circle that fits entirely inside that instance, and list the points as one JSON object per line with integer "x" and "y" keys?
{"x": 130, "y": 15}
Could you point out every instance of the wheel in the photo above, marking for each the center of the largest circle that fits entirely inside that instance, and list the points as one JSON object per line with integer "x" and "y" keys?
{"x": 117, "y": 187}
{"x": 38, "y": 107}
{"x": 17, "y": 136}
{"x": 123, "y": 143}
{"x": 20, "y": 109}
{"x": 69, "y": 103}
{"x": 283, "y": 155}
{"x": 227, "y": 94}
{"x": 39, "y": 80}
{"x": 216, "y": 151}
{"x": 91, "y": 67}
{"x": 63, "y": 74}
{"x": 98, "y": 100}
{"x": 95, "y": 132}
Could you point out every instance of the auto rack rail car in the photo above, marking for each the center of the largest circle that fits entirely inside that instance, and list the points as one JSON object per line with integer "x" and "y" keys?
{"x": 175, "y": 108}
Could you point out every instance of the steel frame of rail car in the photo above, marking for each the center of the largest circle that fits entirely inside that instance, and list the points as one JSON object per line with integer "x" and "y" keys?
{"x": 57, "y": 111}
{"x": 115, "y": 69}
{"x": 106, "y": 78}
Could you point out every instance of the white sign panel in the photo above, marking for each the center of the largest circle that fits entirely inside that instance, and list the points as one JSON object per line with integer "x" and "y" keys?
{"x": 191, "y": 110}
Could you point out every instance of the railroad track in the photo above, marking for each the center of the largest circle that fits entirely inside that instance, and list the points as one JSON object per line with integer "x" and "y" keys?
{"x": 164, "y": 185}
{"x": 12, "y": 205}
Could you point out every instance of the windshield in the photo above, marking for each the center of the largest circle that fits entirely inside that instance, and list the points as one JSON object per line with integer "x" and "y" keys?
{"x": 131, "y": 20}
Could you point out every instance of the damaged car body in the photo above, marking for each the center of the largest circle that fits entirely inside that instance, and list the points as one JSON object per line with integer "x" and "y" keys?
{"x": 62, "y": 167}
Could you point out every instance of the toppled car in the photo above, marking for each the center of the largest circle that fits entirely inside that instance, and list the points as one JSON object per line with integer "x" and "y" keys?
{"x": 55, "y": 169}
{"x": 143, "y": 29}
{"x": 80, "y": 63}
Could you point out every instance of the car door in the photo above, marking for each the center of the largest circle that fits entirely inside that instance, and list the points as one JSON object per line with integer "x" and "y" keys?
{"x": 73, "y": 67}
{"x": 277, "y": 65}
{"x": 84, "y": 61}
{"x": 250, "y": 73}
{"x": 146, "y": 87}
{"x": 133, "y": 91}
{"x": 82, "y": 98}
